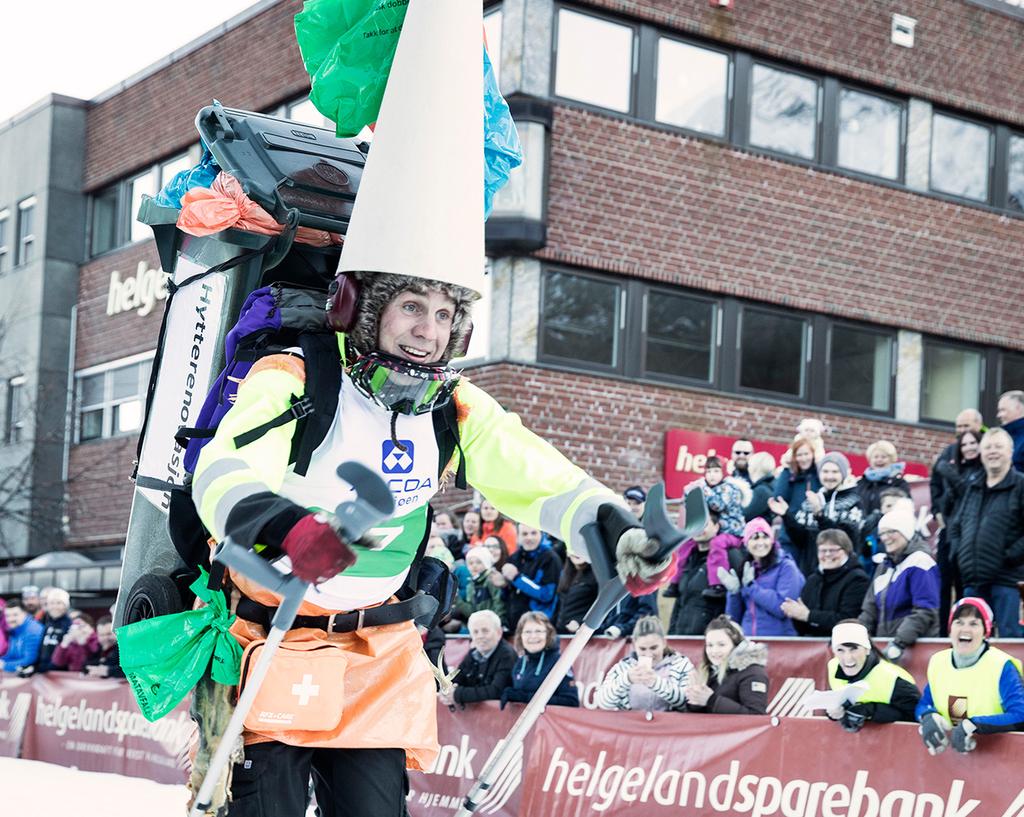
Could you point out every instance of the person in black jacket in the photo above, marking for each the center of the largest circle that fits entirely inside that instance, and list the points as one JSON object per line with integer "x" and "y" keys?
{"x": 834, "y": 592}
{"x": 761, "y": 471}
{"x": 537, "y": 645}
{"x": 694, "y": 607}
{"x": 532, "y": 573}
{"x": 986, "y": 535}
{"x": 622, "y": 618}
{"x": 939, "y": 483}
{"x": 56, "y": 624}
{"x": 487, "y": 668}
{"x": 577, "y": 590}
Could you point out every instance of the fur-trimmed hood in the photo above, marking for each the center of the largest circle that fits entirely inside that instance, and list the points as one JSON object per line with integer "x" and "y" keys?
{"x": 377, "y": 290}
{"x": 747, "y": 654}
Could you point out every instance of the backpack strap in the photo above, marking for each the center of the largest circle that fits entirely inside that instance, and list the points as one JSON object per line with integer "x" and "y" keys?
{"x": 300, "y": 408}
{"x": 446, "y": 430}
{"x": 323, "y": 387}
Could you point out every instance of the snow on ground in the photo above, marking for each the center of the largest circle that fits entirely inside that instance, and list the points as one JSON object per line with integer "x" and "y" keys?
{"x": 48, "y": 790}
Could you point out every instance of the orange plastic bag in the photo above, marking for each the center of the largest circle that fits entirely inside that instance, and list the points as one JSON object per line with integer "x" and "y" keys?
{"x": 208, "y": 210}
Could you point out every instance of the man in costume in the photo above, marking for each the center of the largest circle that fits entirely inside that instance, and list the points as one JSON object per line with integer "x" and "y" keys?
{"x": 350, "y": 697}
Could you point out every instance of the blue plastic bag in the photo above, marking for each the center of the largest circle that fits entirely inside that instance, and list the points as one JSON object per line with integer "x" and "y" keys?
{"x": 502, "y": 149}
{"x": 202, "y": 175}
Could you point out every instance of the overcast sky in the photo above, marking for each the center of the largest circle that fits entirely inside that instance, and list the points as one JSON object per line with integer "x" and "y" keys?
{"x": 81, "y": 48}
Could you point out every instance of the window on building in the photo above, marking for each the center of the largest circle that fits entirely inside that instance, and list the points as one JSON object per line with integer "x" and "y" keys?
{"x": 1011, "y": 372}
{"x": 580, "y": 318}
{"x": 142, "y": 185}
{"x": 305, "y": 111}
{"x": 104, "y": 221}
{"x": 960, "y": 157}
{"x": 869, "y": 133}
{"x": 492, "y": 28}
{"x": 1015, "y": 183}
{"x": 860, "y": 367}
{"x": 15, "y": 409}
{"x": 950, "y": 380}
{"x": 692, "y": 87}
{"x": 172, "y": 167}
{"x": 26, "y": 231}
{"x": 679, "y": 332}
{"x": 5, "y": 240}
{"x": 773, "y": 352}
{"x": 111, "y": 401}
{"x": 784, "y": 112}
{"x": 594, "y": 61}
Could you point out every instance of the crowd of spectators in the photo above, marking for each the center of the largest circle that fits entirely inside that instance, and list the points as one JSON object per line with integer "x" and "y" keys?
{"x": 41, "y": 632}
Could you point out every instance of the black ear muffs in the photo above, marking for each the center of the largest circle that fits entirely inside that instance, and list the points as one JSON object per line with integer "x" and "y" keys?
{"x": 342, "y": 302}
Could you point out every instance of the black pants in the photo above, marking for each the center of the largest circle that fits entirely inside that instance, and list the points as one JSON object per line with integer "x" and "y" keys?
{"x": 274, "y": 782}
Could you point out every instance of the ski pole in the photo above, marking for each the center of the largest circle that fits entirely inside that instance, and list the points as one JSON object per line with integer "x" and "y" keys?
{"x": 612, "y": 591}
{"x": 373, "y": 502}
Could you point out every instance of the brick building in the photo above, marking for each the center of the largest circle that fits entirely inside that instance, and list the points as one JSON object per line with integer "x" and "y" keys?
{"x": 729, "y": 219}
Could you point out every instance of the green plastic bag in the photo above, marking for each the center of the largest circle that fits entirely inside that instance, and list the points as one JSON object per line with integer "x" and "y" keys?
{"x": 163, "y": 658}
{"x": 347, "y": 47}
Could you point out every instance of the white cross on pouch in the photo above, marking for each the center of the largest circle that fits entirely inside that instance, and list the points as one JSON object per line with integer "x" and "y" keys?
{"x": 306, "y": 690}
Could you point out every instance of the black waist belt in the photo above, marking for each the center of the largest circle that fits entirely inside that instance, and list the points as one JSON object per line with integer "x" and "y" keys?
{"x": 418, "y": 605}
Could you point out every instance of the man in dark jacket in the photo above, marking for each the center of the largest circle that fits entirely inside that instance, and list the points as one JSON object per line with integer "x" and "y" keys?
{"x": 987, "y": 534}
{"x": 693, "y": 609}
{"x": 942, "y": 491}
{"x": 834, "y": 592}
{"x": 486, "y": 670}
{"x": 1010, "y": 412}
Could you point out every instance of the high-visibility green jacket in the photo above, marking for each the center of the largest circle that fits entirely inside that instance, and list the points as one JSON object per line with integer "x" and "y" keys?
{"x": 525, "y": 477}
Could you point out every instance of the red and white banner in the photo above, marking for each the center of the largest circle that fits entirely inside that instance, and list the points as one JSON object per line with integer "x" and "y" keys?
{"x": 687, "y": 452}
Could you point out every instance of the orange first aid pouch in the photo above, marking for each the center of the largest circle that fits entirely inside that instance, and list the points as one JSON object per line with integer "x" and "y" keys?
{"x": 304, "y": 689}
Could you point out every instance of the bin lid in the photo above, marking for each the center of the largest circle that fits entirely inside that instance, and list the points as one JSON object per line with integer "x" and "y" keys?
{"x": 284, "y": 165}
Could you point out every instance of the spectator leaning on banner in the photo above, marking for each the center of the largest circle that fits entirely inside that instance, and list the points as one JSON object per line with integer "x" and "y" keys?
{"x": 973, "y": 688}
{"x": 537, "y": 645}
{"x": 78, "y": 645}
{"x": 487, "y": 668}
{"x": 1010, "y": 413}
{"x": 731, "y": 678}
{"x": 891, "y": 694}
{"x": 106, "y": 663}
{"x": 835, "y": 591}
{"x": 768, "y": 577}
{"x": 902, "y": 602}
{"x": 651, "y": 678}
{"x": 986, "y": 535}
{"x": 24, "y": 635}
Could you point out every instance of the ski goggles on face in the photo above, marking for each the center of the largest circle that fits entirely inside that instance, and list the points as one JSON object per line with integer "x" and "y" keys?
{"x": 401, "y": 385}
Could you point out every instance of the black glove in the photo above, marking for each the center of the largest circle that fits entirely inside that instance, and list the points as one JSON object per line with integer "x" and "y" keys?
{"x": 933, "y": 732}
{"x": 962, "y": 737}
{"x": 853, "y": 720}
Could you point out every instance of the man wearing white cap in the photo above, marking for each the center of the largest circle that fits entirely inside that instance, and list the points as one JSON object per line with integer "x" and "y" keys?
{"x": 354, "y": 703}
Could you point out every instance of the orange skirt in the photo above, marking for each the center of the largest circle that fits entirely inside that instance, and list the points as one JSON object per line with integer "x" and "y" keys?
{"x": 368, "y": 689}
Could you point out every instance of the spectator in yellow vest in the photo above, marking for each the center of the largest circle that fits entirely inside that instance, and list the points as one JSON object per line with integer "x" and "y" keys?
{"x": 890, "y": 693}
{"x": 973, "y": 688}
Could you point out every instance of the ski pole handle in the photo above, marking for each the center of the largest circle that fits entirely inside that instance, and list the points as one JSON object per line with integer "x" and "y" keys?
{"x": 253, "y": 566}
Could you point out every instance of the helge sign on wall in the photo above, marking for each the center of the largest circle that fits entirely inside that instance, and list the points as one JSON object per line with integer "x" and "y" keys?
{"x": 687, "y": 452}
{"x": 140, "y": 293}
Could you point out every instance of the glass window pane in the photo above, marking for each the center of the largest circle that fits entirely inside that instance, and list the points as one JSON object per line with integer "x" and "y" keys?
{"x": 580, "y": 319}
{"x": 139, "y": 187}
{"x": 869, "y": 134}
{"x": 5, "y": 240}
{"x": 104, "y": 221}
{"x": 92, "y": 390}
{"x": 127, "y": 416}
{"x": 772, "y": 348}
{"x": 1016, "y": 180}
{"x": 860, "y": 367}
{"x": 1011, "y": 372}
{"x": 125, "y": 382}
{"x": 306, "y": 113}
{"x": 784, "y": 112}
{"x": 91, "y": 425}
{"x": 595, "y": 60}
{"x": 950, "y": 381}
{"x": 26, "y": 230}
{"x": 171, "y": 168}
{"x": 960, "y": 155}
{"x": 680, "y": 332}
{"x": 691, "y": 87}
{"x": 492, "y": 29}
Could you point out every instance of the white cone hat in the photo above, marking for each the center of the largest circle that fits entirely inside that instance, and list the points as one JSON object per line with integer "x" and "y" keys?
{"x": 420, "y": 206}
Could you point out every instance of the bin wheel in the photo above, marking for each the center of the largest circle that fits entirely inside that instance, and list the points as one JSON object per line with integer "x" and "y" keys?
{"x": 152, "y": 595}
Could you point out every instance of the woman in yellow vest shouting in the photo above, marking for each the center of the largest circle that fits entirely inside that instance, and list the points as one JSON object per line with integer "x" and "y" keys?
{"x": 973, "y": 687}
{"x": 890, "y": 692}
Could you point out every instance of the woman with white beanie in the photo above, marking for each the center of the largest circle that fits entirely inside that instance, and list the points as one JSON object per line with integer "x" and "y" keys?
{"x": 902, "y": 602}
